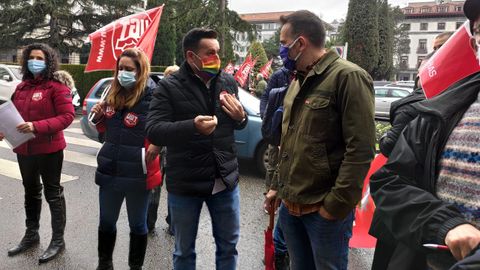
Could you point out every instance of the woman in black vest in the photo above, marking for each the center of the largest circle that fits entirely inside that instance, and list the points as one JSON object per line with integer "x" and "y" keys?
{"x": 128, "y": 165}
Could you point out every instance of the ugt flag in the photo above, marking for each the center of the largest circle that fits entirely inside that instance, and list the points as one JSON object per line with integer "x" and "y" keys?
{"x": 137, "y": 30}
{"x": 230, "y": 69}
{"x": 265, "y": 70}
{"x": 242, "y": 74}
{"x": 455, "y": 60}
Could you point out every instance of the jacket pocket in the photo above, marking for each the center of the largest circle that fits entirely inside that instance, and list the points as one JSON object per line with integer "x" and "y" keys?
{"x": 315, "y": 117}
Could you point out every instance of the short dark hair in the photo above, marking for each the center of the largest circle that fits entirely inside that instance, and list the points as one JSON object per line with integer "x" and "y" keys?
{"x": 305, "y": 23}
{"x": 192, "y": 39}
{"x": 51, "y": 61}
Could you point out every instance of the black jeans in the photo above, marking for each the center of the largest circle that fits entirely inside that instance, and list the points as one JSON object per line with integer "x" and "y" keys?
{"x": 49, "y": 168}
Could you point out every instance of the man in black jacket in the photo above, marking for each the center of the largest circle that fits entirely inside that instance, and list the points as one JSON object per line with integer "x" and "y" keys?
{"x": 194, "y": 113}
{"x": 429, "y": 191}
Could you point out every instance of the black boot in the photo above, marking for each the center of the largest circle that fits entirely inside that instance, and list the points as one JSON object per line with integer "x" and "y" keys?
{"x": 58, "y": 213}
{"x": 106, "y": 244}
{"x": 136, "y": 254}
{"x": 152, "y": 212}
{"x": 33, "y": 208}
{"x": 282, "y": 262}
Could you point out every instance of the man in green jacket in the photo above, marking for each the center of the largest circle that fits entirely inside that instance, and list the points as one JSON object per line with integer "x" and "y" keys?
{"x": 261, "y": 85}
{"x": 328, "y": 142}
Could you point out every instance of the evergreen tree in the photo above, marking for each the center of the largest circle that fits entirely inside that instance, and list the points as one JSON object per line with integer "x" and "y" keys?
{"x": 272, "y": 45}
{"x": 166, "y": 43}
{"x": 361, "y": 33}
{"x": 384, "y": 68}
{"x": 257, "y": 51}
{"x": 63, "y": 24}
{"x": 207, "y": 13}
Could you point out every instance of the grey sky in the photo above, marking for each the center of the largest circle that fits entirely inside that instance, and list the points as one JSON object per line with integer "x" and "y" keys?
{"x": 328, "y": 10}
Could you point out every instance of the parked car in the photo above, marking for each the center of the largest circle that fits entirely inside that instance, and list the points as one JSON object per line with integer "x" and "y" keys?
{"x": 11, "y": 76}
{"x": 384, "y": 96}
{"x": 249, "y": 141}
{"x": 403, "y": 84}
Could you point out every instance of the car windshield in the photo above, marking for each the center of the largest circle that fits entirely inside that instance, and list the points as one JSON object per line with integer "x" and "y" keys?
{"x": 250, "y": 102}
{"x": 17, "y": 72}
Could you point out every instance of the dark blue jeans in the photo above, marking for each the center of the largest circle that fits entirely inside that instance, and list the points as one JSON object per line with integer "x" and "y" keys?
{"x": 137, "y": 205}
{"x": 224, "y": 208}
{"x": 314, "y": 242}
{"x": 279, "y": 240}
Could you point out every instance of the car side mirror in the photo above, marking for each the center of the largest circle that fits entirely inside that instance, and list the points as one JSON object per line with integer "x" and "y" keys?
{"x": 7, "y": 78}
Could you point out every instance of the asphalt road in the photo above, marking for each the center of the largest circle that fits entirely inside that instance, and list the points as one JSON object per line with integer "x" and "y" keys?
{"x": 82, "y": 219}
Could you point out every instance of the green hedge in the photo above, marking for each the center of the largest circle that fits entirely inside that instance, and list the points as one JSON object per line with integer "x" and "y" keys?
{"x": 85, "y": 81}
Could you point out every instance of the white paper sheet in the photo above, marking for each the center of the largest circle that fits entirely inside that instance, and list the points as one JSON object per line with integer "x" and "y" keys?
{"x": 10, "y": 118}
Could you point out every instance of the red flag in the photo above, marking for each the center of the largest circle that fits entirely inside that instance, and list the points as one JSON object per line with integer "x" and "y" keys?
{"x": 265, "y": 70}
{"x": 242, "y": 74}
{"x": 230, "y": 69}
{"x": 455, "y": 60}
{"x": 364, "y": 212}
{"x": 134, "y": 31}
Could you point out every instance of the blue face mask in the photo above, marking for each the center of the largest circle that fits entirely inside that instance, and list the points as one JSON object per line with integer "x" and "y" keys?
{"x": 36, "y": 66}
{"x": 126, "y": 78}
{"x": 287, "y": 62}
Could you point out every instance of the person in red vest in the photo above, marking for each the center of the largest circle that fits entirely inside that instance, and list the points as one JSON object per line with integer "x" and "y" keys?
{"x": 46, "y": 106}
{"x": 128, "y": 165}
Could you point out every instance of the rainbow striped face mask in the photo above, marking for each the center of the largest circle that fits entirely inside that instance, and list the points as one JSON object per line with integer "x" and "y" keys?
{"x": 210, "y": 66}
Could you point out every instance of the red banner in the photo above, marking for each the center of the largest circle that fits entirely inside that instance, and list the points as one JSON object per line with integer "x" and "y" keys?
{"x": 242, "y": 74}
{"x": 265, "y": 70}
{"x": 364, "y": 212}
{"x": 134, "y": 31}
{"x": 230, "y": 69}
{"x": 455, "y": 60}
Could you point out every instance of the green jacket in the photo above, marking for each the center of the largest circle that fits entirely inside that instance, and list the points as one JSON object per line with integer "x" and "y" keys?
{"x": 328, "y": 136}
{"x": 261, "y": 85}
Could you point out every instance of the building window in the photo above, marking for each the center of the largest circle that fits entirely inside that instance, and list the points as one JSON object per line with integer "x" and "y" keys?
{"x": 420, "y": 60}
{"x": 409, "y": 10}
{"x": 425, "y": 10}
{"x": 458, "y": 24}
{"x": 458, "y": 8}
{"x": 422, "y": 46}
{"x": 441, "y": 26}
{"x": 442, "y": 9}
{"x": 424, "y": 26}
{"x": 406, "y": 26}
{"x": 404, "y": 62}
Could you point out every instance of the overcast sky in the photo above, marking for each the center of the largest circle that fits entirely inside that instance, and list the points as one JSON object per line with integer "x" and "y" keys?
{"x": 328, "y": 10}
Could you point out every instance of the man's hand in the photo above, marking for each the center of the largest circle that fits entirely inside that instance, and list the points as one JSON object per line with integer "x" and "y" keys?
{"x": 270, "y": 203}
{"x": 232, "y": 107}
{"x": 462, "y": 240}
{"x": 26, "y": 127}
{"x": 205, "y": 124}
{"x": 1, "y": 136}
{"x": 152, "y": 153}
{"x": 98, "y": 110}
{"x": 324, "y": 213}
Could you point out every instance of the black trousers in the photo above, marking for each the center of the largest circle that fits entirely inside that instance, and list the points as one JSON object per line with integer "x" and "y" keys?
{"x": 48, "y": 167}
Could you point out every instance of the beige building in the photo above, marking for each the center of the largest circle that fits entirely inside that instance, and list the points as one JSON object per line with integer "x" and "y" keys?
{"x": 424, "y": 21}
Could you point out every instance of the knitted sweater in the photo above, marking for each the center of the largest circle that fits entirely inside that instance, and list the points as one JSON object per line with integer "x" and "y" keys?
{"x": 459, "y": 177}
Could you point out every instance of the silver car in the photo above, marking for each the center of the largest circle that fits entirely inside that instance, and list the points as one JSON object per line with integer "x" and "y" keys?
{"x": 384, "y": 96}
{"x": 10, "y": 77}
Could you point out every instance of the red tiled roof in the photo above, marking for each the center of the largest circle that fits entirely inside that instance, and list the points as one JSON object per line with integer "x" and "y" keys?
{"x": 264, "y": 17}
{"x": 415, "y": 8}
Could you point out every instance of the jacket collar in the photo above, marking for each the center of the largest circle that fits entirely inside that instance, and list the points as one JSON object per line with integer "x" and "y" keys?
{"x": 460, "y": 95}
{"x": 327, "y": 59}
